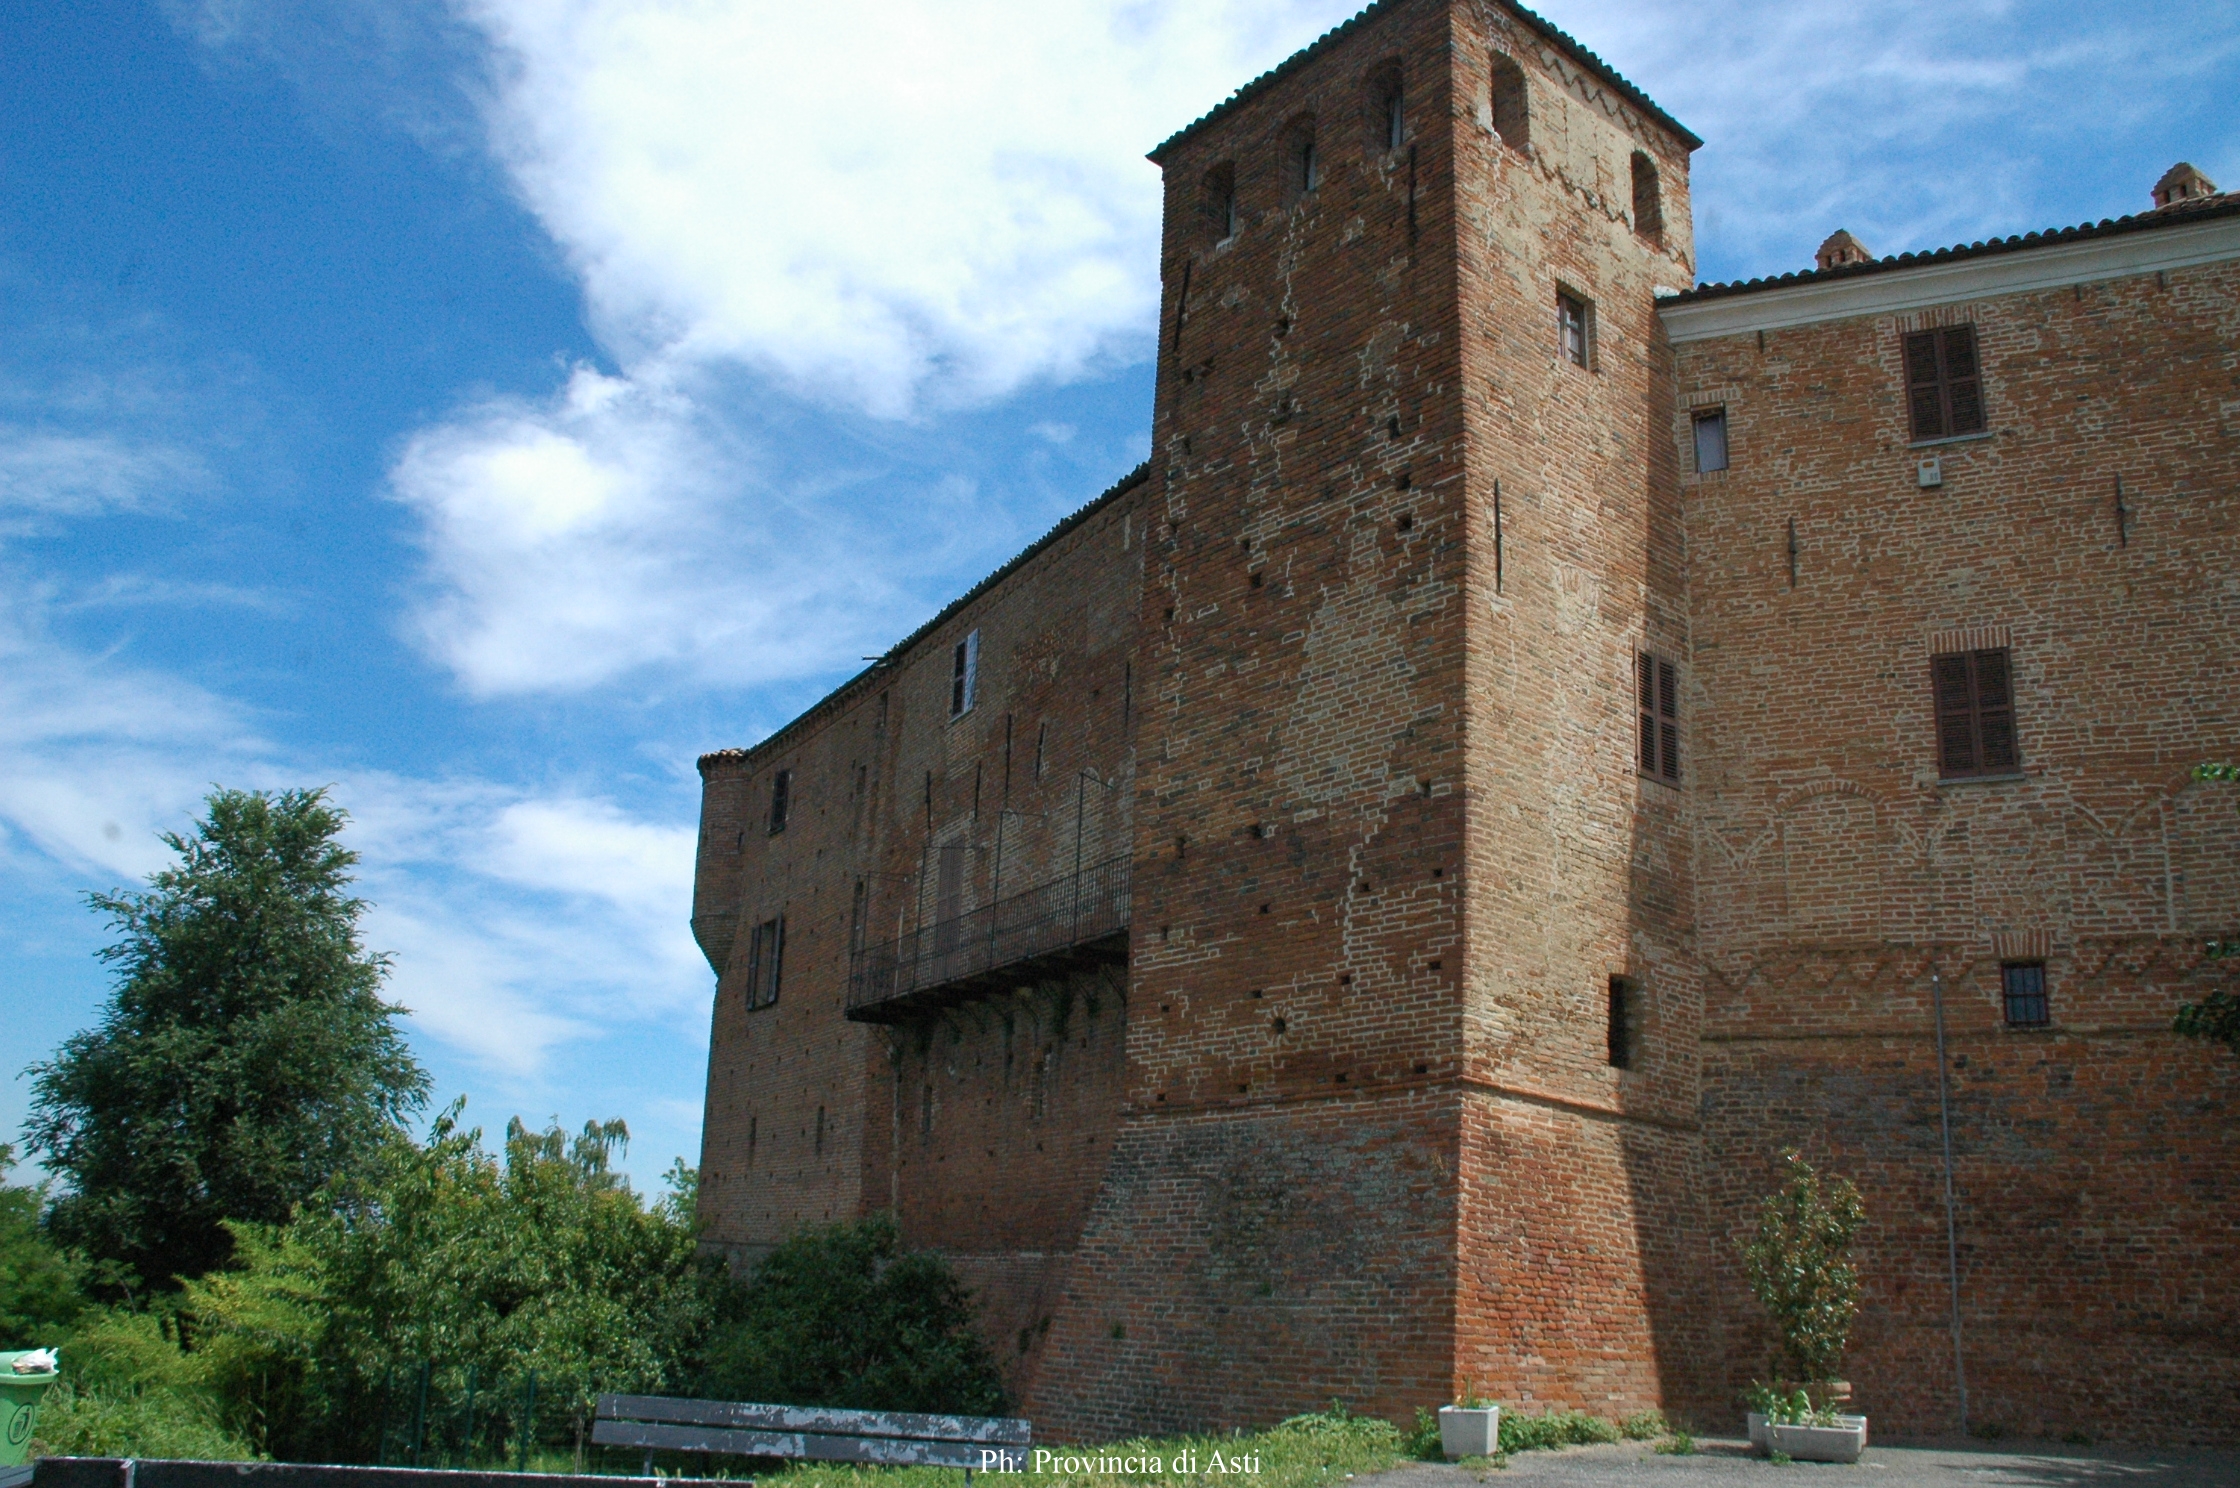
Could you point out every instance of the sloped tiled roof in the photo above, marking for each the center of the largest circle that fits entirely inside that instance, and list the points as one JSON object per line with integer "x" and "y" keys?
{"x": 2198, "y": 210}
{"x": 1298, "y": 59}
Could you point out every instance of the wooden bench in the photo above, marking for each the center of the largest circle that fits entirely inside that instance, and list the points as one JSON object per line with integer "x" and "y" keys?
{"x": 660, "y": 1423}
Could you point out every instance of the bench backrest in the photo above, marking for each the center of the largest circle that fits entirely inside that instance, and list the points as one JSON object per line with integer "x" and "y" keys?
{"x": 993, "y": 1431}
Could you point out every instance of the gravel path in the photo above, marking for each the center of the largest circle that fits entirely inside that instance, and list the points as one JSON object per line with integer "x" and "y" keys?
{"x": 1927, "y": 1465}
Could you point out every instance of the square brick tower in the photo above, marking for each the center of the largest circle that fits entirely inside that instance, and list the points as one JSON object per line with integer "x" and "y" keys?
{"x": 1410, "y": 1086}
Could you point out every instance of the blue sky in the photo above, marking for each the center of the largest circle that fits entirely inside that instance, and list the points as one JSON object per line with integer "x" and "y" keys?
{"x": 486, "y": 407}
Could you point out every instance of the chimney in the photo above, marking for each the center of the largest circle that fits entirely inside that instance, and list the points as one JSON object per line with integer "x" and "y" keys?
{"x": 1841, "y": 251}
{"x": 2182, "y": 183}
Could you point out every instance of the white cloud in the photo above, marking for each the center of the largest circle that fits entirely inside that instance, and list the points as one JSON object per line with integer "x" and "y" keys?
{"x": 49, "y": 474}
{"x": 520, "y": 922}
{"x": 899, "y": 208}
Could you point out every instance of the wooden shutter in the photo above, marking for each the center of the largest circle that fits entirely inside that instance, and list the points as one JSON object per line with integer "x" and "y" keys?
{"x": 1657, "y": 694}
{"x": 1963, "y": 389}
{"x": 1944, "y": 388}
{"x": 1975, "y": 714}
{"x": 754, "y": 967}
{"x": 777, "y": 959}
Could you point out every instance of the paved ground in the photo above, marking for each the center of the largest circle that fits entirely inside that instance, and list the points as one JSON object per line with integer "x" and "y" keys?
{"x": 1717, "y": 1464}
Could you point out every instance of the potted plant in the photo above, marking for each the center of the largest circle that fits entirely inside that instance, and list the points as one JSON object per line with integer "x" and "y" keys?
{"x": 1799, "y": 1264}
{"x": 1471, "y": 1427}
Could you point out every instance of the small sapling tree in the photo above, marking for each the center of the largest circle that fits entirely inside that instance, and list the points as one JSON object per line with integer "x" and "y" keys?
{"x": 1799, "y": 1264}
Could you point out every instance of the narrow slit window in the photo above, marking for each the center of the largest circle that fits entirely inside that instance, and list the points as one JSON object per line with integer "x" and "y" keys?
{"x": 1657, "y": 700}
{"x": 1711, "y": 440}
{"x": 1217, "y": 202}
{"x": 781, "y": 800}
{"x": 2023, "y": 989}
{"x": 1575, "y": 328}
{"x": 964, "y": 676}
{"x": 1395, "y": 115}
{"x": 1974, "y": 695}
{"x": 1623, "y": 1012}
{"x": 766, "y": 949}
{"x": 1944, "y": 384}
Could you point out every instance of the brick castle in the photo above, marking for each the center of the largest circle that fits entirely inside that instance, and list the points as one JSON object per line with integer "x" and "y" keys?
{"x": 1359, "y": 908}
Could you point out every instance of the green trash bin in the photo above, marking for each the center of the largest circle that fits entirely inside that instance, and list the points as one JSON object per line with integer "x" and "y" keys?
{"x": 19, "y": 1407}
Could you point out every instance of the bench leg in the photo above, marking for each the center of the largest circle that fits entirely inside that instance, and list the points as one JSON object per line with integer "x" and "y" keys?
{"x": 647, "y": 1470}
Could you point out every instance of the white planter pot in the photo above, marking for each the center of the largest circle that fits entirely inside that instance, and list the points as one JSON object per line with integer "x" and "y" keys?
{"x": 1759, "y": 1441}
{"x": 1842, "y": 1442}
{"x": 1464, "y": 1432}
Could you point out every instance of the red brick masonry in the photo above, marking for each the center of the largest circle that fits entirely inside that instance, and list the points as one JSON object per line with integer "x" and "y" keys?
{"x": 1347, "y": 675}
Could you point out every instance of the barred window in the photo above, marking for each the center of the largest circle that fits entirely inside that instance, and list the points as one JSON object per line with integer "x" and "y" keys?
{"x": 1657, "y": 696}
{"x": 1975, "y": 714}
{"x": 1944, "y": 390}
{"x": 2023, "y": 984}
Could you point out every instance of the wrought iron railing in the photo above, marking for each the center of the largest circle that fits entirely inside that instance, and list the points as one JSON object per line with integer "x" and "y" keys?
{"x": 1065, "y": 914}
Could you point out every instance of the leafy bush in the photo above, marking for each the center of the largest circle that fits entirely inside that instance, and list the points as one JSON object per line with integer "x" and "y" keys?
{"x": 39, "y": 1284}
{"x": 1554, "y": 1428}
{"x": 841, "y": 1316}
{"x": 129, "y": 1390}
{"x": 1647, "y": 1425}
{"x": 1799, "y": 1264}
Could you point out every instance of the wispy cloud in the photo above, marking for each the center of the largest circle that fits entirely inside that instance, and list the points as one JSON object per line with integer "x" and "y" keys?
{"x": 520, "y": 921}
{"x": 44, "y": 474}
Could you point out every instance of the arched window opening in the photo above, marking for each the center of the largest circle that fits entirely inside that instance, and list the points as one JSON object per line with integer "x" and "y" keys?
{"x": 1217, "y": 203}
{"x": 1648, "y": 204}
{"x": 1512, "y": 109}
{"x": 1388, "y": 108}
{"x": 1302, "y": 170}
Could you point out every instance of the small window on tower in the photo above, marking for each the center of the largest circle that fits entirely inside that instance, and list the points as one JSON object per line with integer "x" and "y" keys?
{"x": 1217, "y": 203}
{"x": 1657, "y": 693}
{"x": 1648, "y": 199}
{"x": 781, "y": 798}
{"x": 1944, "y": 388}
{"x": 2023, "y": 985}
{"x": 1625, "y": 1013}
{"x": 1302, "y": 167}
{"x": 1975, "y": 714}
{"x": 1711, "y": 440}
{"x": 964, "y": 675}
{"x": 1388, "y": 109}
{"x": 1575, "y": 328}
{"x": 1512, "y": 112}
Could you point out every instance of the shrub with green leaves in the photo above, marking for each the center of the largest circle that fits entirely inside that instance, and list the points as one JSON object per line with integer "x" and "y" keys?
{"x": 1799, "y": 1264}
{"x": 842, "y": 1316}
{"x": 39, "y": 1282}
{"x": 1554, "y": 1428}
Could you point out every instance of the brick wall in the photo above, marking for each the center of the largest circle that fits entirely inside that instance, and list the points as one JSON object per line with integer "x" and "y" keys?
{"x": 2096, "y": 1187}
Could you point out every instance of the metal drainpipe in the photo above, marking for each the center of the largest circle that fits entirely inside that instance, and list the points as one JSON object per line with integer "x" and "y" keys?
{"x": 1951, "y": 1219}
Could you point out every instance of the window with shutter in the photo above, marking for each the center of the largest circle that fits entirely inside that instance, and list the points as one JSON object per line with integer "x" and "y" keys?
{"x": 1944, "y": 392}
{"x": 1657, "y": 698}
{"x": 964, "y": 675}
{"x": 766, "y": 949}
{"x": 1974, "y": 695}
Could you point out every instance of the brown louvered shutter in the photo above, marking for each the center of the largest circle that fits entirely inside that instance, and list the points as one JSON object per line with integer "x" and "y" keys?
{"x": 1646, "y": 672}
{"x": 1668, "y": 723}
{"x": 1994, "y": 713}
{"x": 1975, "y": 714}
{"x": 1657, "y": 695}
{"x": 1963, "y": 388}
{"x": 1923, "y": 395}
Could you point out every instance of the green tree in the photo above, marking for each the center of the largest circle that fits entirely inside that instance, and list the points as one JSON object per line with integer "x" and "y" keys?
{"x": 841, "y": 1316}
{"x": 245, "y": 1057}
{"x": 2217, "y": 1016}
{"x": 1799, "y": 1264}
{"x": 39, "y": 1285}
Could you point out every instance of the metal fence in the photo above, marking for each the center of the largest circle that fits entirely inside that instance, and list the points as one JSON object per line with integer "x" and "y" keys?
{"x": 1049, "y": 920}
